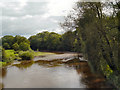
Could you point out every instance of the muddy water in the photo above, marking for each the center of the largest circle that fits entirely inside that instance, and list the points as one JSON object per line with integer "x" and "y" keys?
{"x": 52, "y": 72}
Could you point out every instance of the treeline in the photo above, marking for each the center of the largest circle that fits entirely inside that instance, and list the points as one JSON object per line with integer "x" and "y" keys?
{"x": 45, "y": 41}
{"x": 17, "y": 43}
{"x": 14, "y": 48}
{"x": 97, "y": 25}
{"x": 51, "y": 41}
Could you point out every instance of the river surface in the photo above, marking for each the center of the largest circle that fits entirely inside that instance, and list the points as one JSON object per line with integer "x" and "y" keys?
{"x": 52, "y": 71}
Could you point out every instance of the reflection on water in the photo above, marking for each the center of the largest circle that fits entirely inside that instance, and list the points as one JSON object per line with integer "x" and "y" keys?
{"x": 52, "y": 74}
{"x": 38, "y": 76}
{"x": 91, "y": 80}
{"x": 24, "y": 64}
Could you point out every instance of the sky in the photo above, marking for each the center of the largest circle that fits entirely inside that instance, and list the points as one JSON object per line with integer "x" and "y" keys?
{"x": 29, "y": 17}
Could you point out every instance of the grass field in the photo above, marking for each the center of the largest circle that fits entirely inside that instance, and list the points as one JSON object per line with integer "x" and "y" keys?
{"x": 11, "y": 55}
{"x": 41, "y": 53}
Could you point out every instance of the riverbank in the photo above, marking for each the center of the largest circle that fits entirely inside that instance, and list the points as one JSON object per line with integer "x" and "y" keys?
{"x": 11, "y": 56}
{"x": 67, "y": 62}
{"x": 67, "y": 71}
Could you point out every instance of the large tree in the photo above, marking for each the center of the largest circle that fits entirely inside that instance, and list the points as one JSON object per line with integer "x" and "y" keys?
{"x": 8, "y": 39}
{"x": 45, "y": 41}
{"x": 15, "y": 46}
{"x": 97, "y": 31}
{"x": 24, "y": 46}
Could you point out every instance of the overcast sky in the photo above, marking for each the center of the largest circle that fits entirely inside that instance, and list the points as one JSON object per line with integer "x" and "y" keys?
{"x": 21, "y": 17}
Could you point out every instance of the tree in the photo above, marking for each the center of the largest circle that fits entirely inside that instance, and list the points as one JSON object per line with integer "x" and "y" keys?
{"x": 34, "y": 42}
{"x": 24, "y": 46}
{"x": 6, "y": 46}
{"x": 0, "y": 41}
{"x": 9, "y": 40}
{"x": 77, "y": 45}
{"x": 0, "y": 53}
{"x": 45, "y": 41}
{"x": 67, "y": 41}
{"x": 53, "y": 42}
{"x": 15, "y": 46}
{"x": 3, "y": 54}
{"x": 98, "y": 33}
{"x": 18, "y": 39}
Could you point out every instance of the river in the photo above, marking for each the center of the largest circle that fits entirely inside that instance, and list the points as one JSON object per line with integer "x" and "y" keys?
{"x": 52, "y": 71}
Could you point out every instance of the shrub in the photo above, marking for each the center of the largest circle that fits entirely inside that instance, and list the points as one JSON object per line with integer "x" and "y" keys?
{"x": 26, "y": 55}
{"x": 8, "y": 55}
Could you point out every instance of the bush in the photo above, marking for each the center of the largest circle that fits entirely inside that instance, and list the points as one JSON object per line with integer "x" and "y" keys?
{"x": 26, "y": 55}
{"x": 8, "y": 55}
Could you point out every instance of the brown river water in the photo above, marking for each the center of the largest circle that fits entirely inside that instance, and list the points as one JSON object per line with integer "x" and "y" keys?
{"x": 52, "y": 71}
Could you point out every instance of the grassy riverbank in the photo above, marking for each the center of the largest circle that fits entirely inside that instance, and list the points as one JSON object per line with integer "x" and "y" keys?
{"x": 11, "y": 55}
{"x": 41, "y": 53}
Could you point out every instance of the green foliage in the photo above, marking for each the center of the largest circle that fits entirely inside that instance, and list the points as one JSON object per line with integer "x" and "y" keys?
{"x": 105, "y": 68}
{"x": 67, "y": 41}
{"x": 48, "y": 41}
{"x": 41, "y": 53}
{"x": 45, "y": 41}
{"x": 3, "y": 54}
{"x": 0, "y": 53}
{"x": 0, "y": 41}
{"x": 24, "y": 46}
{"x": 19, "y": 39}
{"x": 99, "y": 35}
{"x": 15, "y": 46}
{"x": 77, "y": 45}
{"x": 10, "y": 56}
{"x": 54, "y": 42}
{"x": 8, "y": 41}
{"x": 26, "y": 55}
{"x": 6, "y": 46}
{"x": 2, "y": 64}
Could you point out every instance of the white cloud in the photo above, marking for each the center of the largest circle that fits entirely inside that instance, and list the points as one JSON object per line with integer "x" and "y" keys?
{"x": 27, "y": 18}
{"x": 13, "y": 18}
{"x": 59, "y": 8}
{"x": 2, "y": 4}
{"x": 62, "y": 7}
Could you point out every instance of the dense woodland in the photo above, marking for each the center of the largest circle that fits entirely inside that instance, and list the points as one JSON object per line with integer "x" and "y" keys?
{"x": 89, "y": 30}
{"x": 45, "y": 41}
{"x": 99, "y": 34}
{"x": 20, "y": 48}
